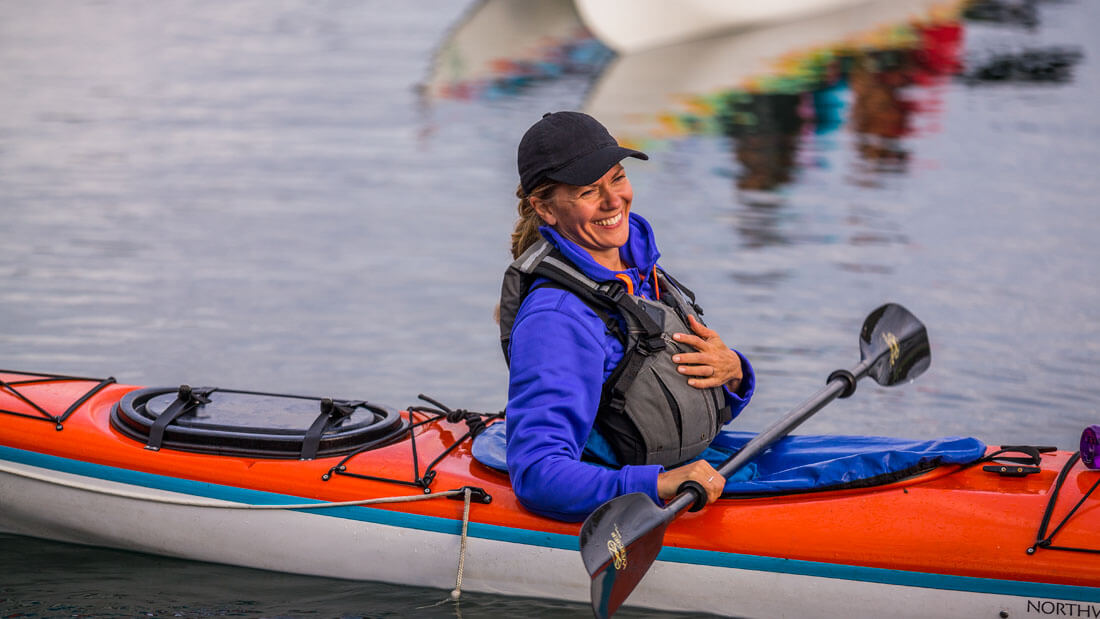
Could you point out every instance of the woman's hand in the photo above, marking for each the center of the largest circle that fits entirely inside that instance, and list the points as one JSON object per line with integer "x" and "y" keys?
{"x": 699, "y": 471}
{"x": 714, "y": 365}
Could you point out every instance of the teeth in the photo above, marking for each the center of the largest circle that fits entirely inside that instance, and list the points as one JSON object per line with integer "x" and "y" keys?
{"x": 610, "y": 221}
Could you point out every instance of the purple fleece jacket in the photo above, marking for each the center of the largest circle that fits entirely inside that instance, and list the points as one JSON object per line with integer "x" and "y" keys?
{"x": 558, "y": 348}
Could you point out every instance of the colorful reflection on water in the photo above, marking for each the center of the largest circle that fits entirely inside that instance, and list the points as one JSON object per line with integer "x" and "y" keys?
{"x": 505, "y": 47}
{"x": 874, "y": 81}
{"x": 550, "y": 58}
{"x": 867, "y": 82}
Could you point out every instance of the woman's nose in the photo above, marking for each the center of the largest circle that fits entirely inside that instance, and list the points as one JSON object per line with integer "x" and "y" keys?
{"x": 612, "y": 198}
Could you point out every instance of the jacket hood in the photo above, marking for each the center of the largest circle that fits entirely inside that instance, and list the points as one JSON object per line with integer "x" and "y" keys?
{"x": 640, "y": 251}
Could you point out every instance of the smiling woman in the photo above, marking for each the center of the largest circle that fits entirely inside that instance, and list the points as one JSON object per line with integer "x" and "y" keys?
{"x": 613, "y": 376}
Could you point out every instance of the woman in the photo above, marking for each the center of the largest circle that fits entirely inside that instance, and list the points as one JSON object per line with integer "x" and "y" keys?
{"x": 614, "y": 381}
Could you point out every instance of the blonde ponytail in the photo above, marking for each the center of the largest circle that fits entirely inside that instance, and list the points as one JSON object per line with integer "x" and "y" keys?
{"x": 527, "y": 227}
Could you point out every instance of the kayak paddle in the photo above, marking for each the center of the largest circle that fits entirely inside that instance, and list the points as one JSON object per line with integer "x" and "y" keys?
{"x": 621, "y": 539}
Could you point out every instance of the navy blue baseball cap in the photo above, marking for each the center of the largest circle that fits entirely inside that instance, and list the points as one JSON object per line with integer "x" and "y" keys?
{"x": 568, "y": 147}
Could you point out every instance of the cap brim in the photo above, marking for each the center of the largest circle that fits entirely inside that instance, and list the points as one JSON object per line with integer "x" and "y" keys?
{"x": 588, "y": 169}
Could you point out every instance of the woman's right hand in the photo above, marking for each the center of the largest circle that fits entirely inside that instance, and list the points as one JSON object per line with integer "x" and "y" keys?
{"x": 699, "y": 471}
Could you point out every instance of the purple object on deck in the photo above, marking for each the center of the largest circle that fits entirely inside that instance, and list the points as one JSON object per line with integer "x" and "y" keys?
{"x": 1090, "y": 443}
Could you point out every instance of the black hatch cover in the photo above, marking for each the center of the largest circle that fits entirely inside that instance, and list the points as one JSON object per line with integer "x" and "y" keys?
{"x": 251, "y": 424}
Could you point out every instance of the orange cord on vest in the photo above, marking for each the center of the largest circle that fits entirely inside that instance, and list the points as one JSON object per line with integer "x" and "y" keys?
{"x": 624, "y": 278}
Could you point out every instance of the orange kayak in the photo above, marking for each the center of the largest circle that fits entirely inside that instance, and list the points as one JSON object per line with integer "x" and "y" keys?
{"x": 349, "y": 489}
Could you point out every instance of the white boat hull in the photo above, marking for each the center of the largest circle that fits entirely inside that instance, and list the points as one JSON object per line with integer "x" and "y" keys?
{"x": 635, "y": 91}
{"x": 629, "y": 26}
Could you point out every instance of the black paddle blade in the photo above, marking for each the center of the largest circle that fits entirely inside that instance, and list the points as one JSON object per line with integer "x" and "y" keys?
{"x": 895, "y": 344}
{"x": 619, "y": 541}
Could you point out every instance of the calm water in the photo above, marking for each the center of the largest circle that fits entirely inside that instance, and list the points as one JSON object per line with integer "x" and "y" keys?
{"x": 316, "y": 198}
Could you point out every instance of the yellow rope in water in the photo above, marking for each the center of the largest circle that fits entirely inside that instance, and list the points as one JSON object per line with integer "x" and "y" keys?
{"x": 462, "y": 548}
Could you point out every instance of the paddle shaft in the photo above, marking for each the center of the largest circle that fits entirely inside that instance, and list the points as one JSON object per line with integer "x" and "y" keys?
{"x": 621, "y": 539}
{"x": 782, "y": 427}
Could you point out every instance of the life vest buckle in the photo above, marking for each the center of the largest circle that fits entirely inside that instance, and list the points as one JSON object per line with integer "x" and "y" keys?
{"x": 617, "y": 402}
{"x": 649, "y": 345}
{"x": 613, "y": 290}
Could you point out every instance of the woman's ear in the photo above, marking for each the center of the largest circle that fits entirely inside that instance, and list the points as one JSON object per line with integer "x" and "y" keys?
{"x": 542, "y": 208}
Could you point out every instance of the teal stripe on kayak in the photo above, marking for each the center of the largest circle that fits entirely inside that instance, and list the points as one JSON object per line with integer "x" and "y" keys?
{"x": 881, "y": 575}
{"x": 556, "y": 540}
{"x": 260, "y": 497}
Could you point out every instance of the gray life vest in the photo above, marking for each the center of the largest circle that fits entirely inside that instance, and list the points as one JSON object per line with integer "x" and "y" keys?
{"x": 648, "y": 413}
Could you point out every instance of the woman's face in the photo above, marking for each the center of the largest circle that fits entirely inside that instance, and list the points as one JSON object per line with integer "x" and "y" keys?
{"x": 593, "y": 216}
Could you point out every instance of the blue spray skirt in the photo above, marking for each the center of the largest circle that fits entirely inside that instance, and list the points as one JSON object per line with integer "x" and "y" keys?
{"x": 808, "y": 463}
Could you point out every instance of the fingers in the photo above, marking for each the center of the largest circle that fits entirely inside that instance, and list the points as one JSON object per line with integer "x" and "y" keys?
{"x": 705, "y": 383}
{"x": 694, "y": 341}
{"x": 702, "y": 371}
{"x": 713, "y": 365}
{"x": 704, "y": 339}
{"x": 701, "y": 376}
{"x": 705, "y": 474}
{"x": 692, "y": 358}
{"x": 700, "y": 329}
{"x": 709, "y": 479}
{"x": 714, "y": 485}
{"x": 700, "y": 471}
{"x": 710, "y": 369}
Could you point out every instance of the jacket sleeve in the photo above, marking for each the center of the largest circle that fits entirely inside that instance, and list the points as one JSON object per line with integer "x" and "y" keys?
{"x": 739, "y": 399}
{"x": 556, "y": 377}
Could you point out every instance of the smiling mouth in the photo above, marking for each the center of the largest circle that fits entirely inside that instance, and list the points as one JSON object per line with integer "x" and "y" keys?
{"x": 610, "y": 221}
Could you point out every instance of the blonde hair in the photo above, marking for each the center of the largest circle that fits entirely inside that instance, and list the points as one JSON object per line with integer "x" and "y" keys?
{"x": 527, "y": 227}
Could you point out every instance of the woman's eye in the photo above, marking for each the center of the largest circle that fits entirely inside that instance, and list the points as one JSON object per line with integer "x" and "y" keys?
{"x": 588, "y": 193}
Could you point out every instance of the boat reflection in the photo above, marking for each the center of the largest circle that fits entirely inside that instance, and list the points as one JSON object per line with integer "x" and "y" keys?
{"x": 775, "y": 90}
{"x": 763, "y": 87}
{"x": 1018, "y": 12}
{"x": 768, "y": 87}
{"x": 504, "y": 47}
{"x": 1035, "y": 64}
